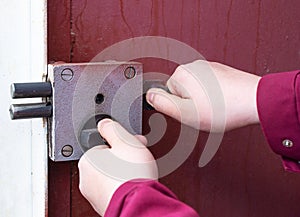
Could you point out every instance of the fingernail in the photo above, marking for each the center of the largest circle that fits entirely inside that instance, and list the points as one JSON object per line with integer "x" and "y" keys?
{"x": 103, "y": 122}
{"x": 150, "y": 98}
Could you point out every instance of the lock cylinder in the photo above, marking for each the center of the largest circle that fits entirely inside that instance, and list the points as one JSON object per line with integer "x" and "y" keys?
{"x": 30, "y": 110}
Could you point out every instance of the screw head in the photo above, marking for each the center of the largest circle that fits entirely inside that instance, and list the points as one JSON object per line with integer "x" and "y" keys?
{"x": 67, "y": 74}
{"x": 130, "y": 72}
{"x": 67, "y": 151}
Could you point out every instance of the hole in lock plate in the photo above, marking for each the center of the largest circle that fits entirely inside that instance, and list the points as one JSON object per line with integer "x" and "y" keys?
{"x": 99, "y": 98}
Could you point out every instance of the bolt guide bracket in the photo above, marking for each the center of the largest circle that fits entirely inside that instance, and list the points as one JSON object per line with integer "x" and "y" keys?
{"x": 76, "y": 96}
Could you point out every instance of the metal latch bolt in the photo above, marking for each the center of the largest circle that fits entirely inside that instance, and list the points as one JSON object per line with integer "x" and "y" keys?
{"x": 30, "y": 110}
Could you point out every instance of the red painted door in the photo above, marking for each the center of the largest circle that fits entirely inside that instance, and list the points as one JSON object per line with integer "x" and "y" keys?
{"x": 245, "y": 178}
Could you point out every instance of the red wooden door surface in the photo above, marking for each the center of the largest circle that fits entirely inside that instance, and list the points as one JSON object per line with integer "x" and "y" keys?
{"x": 245, "y": 178}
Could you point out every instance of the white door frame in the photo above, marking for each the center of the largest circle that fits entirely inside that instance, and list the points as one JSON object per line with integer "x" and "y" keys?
{"x": 23, "y": 155}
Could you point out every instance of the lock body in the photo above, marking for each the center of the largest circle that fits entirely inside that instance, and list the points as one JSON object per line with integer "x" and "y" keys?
{"x": 81, "y": 93}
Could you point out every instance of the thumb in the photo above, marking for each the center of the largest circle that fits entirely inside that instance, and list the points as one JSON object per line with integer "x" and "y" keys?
{"x": 124, "y": 145}
{"x": 116, "y": 135}
{"x": 169, "y": 104}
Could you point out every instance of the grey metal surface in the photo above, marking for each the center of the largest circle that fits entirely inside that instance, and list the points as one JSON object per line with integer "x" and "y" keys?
{"x": 76, "y": 101}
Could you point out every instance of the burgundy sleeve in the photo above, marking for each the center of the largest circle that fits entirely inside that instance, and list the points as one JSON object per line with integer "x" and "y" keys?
{"x": 146, "y": 198}
{"x": 278, "y": 104}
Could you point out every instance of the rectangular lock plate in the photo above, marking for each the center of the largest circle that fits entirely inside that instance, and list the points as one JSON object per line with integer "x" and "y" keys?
{"x": 81, "y": 94}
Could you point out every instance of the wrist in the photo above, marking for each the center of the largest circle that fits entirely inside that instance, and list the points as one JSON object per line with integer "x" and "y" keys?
{"x": 254, "y": 111}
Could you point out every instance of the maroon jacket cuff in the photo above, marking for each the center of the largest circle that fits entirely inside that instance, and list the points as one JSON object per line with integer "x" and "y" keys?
{"x": 278, "y": 104}
{"x": 146, "y": 198}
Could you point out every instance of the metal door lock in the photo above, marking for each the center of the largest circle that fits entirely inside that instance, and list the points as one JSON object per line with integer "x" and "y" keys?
{"x": 75, "y": 96}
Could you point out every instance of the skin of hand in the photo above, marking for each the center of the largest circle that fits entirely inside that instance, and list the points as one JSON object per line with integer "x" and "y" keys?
{"x": 208, "y": 96}
{"x": 102, "y": 169}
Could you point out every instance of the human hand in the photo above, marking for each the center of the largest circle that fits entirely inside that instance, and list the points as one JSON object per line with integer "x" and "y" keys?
{"x": 103, "y": 169}
{"x": 208, "y": 96}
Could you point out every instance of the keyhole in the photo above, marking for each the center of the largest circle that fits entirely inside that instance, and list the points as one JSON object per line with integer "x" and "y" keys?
{"x": 99, "y": 98}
